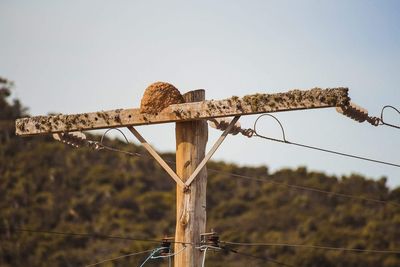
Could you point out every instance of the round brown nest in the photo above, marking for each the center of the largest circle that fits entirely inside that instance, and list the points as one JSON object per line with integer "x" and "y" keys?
{"x": 158, "y": 96}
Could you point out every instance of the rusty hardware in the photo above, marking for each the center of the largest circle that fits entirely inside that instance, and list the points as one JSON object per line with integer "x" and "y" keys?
{"x": 210, "y": 239}
{"x": 223, "y": 123}
{"x": 166, "y": 246}
{"x": 357, "y": 113}
{"x": 76, "y": 140}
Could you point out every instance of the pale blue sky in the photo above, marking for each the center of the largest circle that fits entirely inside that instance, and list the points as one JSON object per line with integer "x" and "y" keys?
{"x": 80, "y": 56}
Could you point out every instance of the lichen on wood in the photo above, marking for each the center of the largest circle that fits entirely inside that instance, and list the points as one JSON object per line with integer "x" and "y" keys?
{"x": 297, "y": 98}
{"x": 234, "y": 106}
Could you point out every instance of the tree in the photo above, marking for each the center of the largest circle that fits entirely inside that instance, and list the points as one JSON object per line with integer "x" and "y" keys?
{"x": 8, "y": 112}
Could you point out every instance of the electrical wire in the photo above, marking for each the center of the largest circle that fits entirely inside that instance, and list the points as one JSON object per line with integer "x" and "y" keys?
{"x": 204, "y": 256}
{"x": 169, "y": 255}
{"x": 312, "y": 247}
{"x": 285, "y": 141}
{"x": 204, "y": 249}
{"x": 267, "y": 259}
{"x": 102, "y": 146}
{"x": 113, "y": 149}
{"x": 119, "y": 130}
{"x": 169, "y": 261}
{"x": 119, "y": 257}
{"x": 307, "y": 188}
{"x": 91, "y": 235}
{"x": 382, "y": 122}
{"x": 288, "y": 185}
{"x": 151, "y": 256}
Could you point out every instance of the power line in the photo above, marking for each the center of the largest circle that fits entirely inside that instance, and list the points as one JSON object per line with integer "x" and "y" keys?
{"x": 119, "y": 257}
{"x": 288, "y": 185}
{"x": 330, "y": 151}
{"x": 285, "y": 141}
{"x": 150, "y": 256}
{"x": 89, "y": 235}
{"x": 204, "y": 256}
{"x": 382, "y": 122}
{"x": 312, "y": 247}
{"x": 307, "y": 188}
{"x": 116, "y": 129}
{"x": 267, "y": 259}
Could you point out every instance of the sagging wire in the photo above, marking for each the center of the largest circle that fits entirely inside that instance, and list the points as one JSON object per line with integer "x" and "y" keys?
{"x": 90, "y": 235}
{"x": 267, "y": 259}
{"x": 169, "y": 255}
{"x": 285, "y": 141}
{"x": 250, "y": 132}
{"x": 165, "y": 244}
{"x": 382, "y": 121}
{"x": 151, "y": 255}
{"x": 164, "y": 251}
{"x": 307, "y": 188}
{"x": 119, "y": 257}
{"x": 378, "y": 251}
{"x": 158, "y": 250}
{"x": 211, "y": 241}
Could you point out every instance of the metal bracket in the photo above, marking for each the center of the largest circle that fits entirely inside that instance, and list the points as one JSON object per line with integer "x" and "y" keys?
{"x": 166, "y": 167}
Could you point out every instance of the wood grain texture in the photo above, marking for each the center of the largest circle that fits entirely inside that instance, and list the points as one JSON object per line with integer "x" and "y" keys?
{"x": 191, "y": 140}
{"x": 156, "y": 156}
{"x": 234, "y": 106}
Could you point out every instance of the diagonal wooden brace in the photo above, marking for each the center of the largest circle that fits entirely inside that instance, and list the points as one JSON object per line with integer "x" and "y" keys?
{"x": 168, "y": 169}
{"x": 211, "y": 152}
{"x": 157, "y": 157}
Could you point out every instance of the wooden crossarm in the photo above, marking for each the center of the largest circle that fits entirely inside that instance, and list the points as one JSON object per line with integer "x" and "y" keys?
{"x": 234, "y": 106}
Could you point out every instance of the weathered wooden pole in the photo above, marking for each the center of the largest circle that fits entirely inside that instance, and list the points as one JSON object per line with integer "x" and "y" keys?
{"x": 191, "y": 140}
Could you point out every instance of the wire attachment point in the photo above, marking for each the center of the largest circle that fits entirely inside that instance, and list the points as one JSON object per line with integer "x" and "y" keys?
{"x": 77, "y": 140}
{"x": 357, "y": 113}
{"x": 166, "y": 245}
{"x": 210, "y": 239}
{"x": 223, "y": 123}
{"x": 283, "y": 140}
{"x": 382, "y": 121}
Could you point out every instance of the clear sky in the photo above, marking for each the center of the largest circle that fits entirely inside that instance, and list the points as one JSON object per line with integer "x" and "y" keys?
{"x": 81, "y": 56}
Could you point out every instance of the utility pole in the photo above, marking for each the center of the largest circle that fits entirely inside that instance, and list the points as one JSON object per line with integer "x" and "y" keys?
{"x": 191, "y": 139}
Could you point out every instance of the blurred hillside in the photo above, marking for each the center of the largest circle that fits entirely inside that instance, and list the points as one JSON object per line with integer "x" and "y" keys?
{"x": 45, "y": 185}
